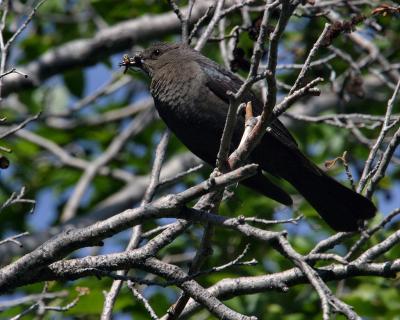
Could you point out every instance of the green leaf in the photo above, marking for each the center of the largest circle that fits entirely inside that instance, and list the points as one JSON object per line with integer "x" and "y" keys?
{"x": 75, "y": 82}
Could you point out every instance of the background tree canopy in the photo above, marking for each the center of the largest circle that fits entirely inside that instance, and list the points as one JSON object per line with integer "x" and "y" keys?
{"x": 82, "y": 145}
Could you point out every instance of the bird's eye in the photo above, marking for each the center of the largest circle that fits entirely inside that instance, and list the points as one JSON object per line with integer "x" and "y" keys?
{"x": 156, "y": 52}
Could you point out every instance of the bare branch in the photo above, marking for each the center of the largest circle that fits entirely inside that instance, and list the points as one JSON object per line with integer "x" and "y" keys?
{"x": 142, "y": 299}
{"x": 385, "y": 128}
{"x": 115, "y": 146}
{"x": 13, "y": 239}
{"x": 14, "y": 129}
{"x": 111, "y": 296}
{"x": 214, "y": 20}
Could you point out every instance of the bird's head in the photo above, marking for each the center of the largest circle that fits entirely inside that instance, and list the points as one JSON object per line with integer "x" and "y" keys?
{"x": 153, "y": 58}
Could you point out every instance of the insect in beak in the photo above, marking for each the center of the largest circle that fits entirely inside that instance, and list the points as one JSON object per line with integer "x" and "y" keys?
{"x": 130, "y": 62}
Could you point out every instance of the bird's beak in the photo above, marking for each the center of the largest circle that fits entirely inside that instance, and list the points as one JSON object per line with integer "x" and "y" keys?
{"x": 138, "y": 60}
{"x": 131, "y": 62}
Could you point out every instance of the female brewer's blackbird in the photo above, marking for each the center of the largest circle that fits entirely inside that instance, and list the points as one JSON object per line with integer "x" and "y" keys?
{"x": 190, "y": 94}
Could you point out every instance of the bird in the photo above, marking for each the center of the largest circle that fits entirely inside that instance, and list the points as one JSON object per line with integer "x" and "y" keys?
{"x": 191, "y": 95}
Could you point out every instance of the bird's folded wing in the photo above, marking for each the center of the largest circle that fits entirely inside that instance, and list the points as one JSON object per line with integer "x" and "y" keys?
{"x": 220, "y": 81}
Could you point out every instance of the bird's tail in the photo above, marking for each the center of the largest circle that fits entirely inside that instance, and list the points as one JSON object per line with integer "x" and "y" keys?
{"x": 342, "y": 208}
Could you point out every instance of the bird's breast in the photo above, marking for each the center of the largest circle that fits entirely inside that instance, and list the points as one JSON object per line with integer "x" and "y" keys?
{"x": 181, "y": 106}
{"x": 175, "y": 86}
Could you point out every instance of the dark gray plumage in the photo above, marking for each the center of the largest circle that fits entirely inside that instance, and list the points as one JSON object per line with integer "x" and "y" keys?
{"x": 190, "y": 94}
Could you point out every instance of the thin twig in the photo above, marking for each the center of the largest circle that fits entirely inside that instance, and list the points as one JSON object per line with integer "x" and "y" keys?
{"x": 67, "y": 159}
{"x": 307, "y": 63}
{"x": 135, "y": 126}
{"x": 367, "y": 234}
{"x": 19, "y": 126}
{"x": 271, "y": 222}
{"x": 134, "y": 241}
{"x": 4, "y": 47}
{"x": 385, "y": 128}
{"x": 210, "y": 27}
{"x": 13, "y": 239}
{"x": 142, "y": 299}
{"x": 199, "y": 23}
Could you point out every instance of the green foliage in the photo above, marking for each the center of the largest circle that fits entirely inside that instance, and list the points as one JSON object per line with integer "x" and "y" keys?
{"x": 75, "y": 82}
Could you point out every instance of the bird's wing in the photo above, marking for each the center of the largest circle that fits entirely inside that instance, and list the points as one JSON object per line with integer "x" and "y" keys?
{"x": 220, "y": 81}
